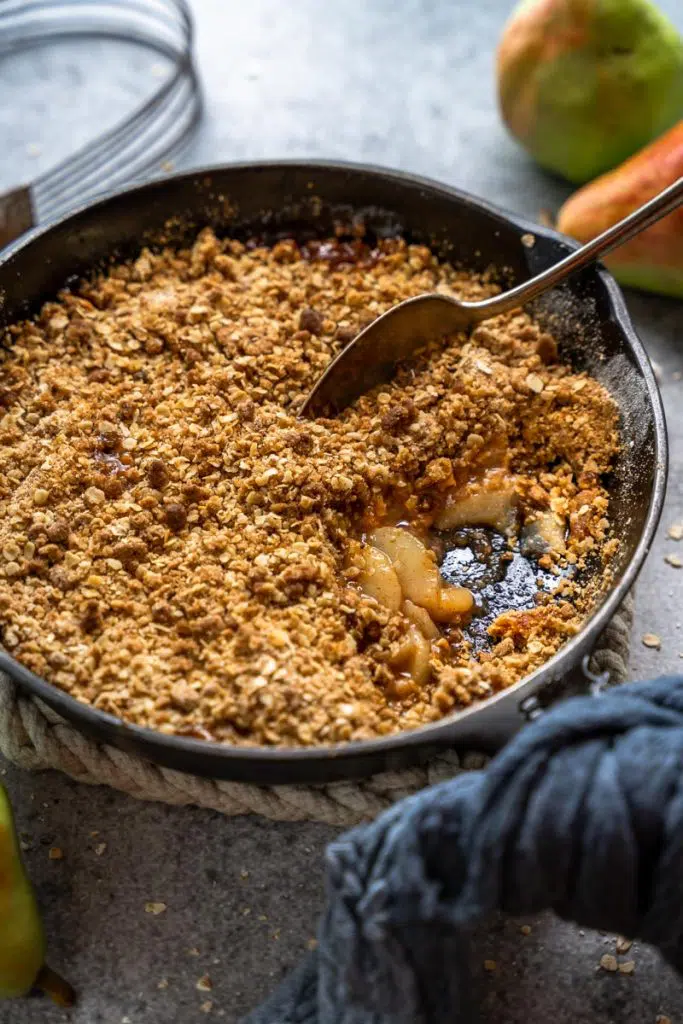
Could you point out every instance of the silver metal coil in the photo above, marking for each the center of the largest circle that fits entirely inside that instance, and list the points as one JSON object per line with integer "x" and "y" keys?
{"x": 157, "y": 129}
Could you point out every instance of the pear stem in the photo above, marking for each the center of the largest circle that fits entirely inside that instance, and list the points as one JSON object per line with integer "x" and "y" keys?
{"x": 54, "y": 986}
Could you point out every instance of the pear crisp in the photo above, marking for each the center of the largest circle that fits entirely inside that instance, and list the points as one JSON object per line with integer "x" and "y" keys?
{"x": 178, "y": 549}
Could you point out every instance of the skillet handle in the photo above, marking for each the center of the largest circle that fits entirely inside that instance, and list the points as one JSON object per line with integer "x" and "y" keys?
{"x": 533, "y": 706}
{"x": 16, "y": 214}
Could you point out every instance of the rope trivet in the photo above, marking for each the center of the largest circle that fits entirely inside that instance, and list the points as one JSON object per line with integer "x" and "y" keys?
{"x": 34, "y": 737}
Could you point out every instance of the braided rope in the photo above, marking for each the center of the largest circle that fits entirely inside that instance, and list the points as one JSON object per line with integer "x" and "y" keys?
{"x": 34, "y": 737}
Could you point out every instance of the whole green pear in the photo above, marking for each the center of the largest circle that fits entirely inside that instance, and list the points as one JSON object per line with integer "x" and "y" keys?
{"x": 22, "y": 940}
{"x": 585, "y": 84}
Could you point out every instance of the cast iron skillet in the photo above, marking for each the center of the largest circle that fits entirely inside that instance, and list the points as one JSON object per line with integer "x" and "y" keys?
{"x": 588, "y": 316}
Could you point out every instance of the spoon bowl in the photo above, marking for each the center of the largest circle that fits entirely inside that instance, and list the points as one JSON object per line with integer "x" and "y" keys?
{"x": 396, "y": 336}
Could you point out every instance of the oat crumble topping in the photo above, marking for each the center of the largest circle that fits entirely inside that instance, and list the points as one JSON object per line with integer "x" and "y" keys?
{"x": 178, "y": 549}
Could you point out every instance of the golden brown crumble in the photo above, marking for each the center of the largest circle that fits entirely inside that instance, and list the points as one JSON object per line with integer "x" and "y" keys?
{"x": 177, "y": 547}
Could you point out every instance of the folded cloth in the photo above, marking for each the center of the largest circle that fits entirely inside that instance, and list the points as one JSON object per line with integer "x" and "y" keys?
{"x": 581, "y": 813}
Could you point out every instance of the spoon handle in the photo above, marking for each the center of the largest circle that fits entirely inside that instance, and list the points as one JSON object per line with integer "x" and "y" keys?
{"x": 633, "y": 224}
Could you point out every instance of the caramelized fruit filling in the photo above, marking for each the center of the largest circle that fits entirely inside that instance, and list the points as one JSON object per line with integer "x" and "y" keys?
{"x": 399, "y": 567}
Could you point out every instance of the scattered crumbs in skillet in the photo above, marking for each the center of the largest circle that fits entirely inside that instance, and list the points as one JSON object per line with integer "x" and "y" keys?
{"x": 179, "y": 550}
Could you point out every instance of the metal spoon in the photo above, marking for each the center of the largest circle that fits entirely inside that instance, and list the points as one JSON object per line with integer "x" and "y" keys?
{"x": 372, "y": 356}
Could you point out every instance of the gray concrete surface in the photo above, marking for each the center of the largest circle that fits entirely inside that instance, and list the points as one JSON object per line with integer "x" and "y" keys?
{"x": 408, "y": 84}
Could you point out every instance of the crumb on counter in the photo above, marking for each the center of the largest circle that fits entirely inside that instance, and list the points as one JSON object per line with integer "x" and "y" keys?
{"x": 155, "y": 908}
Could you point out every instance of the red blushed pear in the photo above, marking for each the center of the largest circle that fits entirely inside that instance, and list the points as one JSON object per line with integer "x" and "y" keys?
{"x": 584, "y": 84}
{"x": 653, "y": 261}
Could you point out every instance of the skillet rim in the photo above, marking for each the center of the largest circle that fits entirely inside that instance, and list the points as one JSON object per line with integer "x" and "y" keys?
{"x": 312, "y": 764}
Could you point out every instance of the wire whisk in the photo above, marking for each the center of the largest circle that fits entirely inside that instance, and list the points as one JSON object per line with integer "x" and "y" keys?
{"x": 157, "y": 130}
